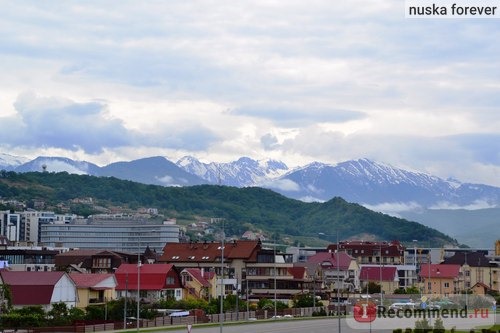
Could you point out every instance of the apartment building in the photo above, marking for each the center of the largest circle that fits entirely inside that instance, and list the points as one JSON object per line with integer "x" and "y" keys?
{"x": 365, "y": 252}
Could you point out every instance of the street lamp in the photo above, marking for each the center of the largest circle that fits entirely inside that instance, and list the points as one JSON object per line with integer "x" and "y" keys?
{"x": 275, "y": 298}
{"x": 440, "y": 284}
{"x": 137, "y": 299}
{"x": 139, "y": 264}
{"x": 222, "y": 280}
{"x": 125, "y": 303}
{"x": 337, "y": 257}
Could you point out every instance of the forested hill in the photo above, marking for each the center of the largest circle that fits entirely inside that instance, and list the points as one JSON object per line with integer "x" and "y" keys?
{"x": 240, "y": 207}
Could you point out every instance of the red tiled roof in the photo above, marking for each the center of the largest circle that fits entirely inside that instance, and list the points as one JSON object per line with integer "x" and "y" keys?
{"x": 88, "y": 280}
{"x": 209, "y": 252}
{"x": 30, "y": 288}
{"x": 377, "y": 273}
{"x": 152, "y": 277}
{"x": 329, "y": 260}
{"x": 298, "y": 273}
{"x": 196, "y": 274}
{"x": 440, "y": 271}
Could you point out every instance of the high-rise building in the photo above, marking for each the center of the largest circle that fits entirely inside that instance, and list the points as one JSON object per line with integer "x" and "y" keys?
{"x": 114, "y": 235}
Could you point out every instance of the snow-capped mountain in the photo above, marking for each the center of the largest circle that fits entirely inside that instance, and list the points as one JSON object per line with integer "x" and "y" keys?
{"x": 243, "y": 172}
{"x": 152, "y": 170}
{"x": 10, "y": 162}
{"x": 58, "y": 164}
{"x": 367, "y": 182}
{"x": 362, "y": 181}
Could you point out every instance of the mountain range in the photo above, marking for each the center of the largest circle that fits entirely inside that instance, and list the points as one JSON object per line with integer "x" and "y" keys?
{"x": 375, "y": 185}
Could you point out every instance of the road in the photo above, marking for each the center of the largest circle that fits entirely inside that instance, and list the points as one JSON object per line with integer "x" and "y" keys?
{"x": 281, "y": 326}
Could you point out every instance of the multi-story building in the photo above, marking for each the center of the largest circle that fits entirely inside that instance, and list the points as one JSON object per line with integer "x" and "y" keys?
{"x": 22, "y": 258}
{"x": 441, "y": 279}
{"x": 385, "y": 276}
{"x": 336, "y": 271}
{"x": 247, "y": 269}
{"x": 407, "y": 275}
{"x": 389, "y": 253}
{"x": 476, "y": 268}
{"x": 115, "y": 235}
{"x": 23, "y": 227}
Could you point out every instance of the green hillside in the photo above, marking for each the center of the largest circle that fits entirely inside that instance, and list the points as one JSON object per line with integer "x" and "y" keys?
{"x": 242, "y": 208}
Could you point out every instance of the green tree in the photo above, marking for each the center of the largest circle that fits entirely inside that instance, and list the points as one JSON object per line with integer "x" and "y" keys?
{"x": 371, "y": 288}
{"x": 303, "y": 301}
{"x": 59, "y": 315}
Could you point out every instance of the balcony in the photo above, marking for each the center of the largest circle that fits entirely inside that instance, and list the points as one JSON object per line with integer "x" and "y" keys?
{"x": 96, "y": 301}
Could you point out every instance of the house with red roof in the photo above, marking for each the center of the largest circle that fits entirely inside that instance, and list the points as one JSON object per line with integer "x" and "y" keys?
{"x": 476, "y": 268}
{"x": 152, "y": 281}
{"x": 247, "y": 266}
{"x": 94, "y": 289}
{"x": 442, "y": 279}
{"x": 198, "y": 283}
{"x": 334, "y": 270}
{"x": 207, "y": 256}
{"x": 39, "y": 288}
{"x": 385, "y": 276}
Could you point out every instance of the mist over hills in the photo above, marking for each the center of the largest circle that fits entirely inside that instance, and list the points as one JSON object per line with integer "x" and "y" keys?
{"x": 377, "y": 186}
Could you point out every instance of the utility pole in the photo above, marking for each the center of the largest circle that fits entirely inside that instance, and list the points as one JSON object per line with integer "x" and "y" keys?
{"x": 222, "y": 280}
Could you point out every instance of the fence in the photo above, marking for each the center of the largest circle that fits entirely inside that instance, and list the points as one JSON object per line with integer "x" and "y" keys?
{"x": 174, "y": 321}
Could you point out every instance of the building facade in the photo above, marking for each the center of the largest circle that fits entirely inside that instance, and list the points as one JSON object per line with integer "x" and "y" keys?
{"x": 124, "y": 235}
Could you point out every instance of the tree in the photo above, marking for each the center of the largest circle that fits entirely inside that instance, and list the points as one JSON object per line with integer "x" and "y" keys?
{"x": 59, "y": 315}
{"x": 373, "y": 288}
{"x": 413, "y": 290}
{"x": 303, "y": 301}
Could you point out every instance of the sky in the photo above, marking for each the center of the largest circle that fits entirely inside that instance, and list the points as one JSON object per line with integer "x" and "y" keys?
{"x": 296, "y": 81}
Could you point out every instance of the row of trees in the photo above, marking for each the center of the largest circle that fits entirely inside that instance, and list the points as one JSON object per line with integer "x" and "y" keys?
{"x": 61, "y": 315}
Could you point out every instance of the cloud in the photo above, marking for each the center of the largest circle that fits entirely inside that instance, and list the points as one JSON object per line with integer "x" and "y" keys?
{"x": 62, "y": 123}
{"x": 477, "y": 204}
{"x": 293, "y": 116}
{"x": 394, "y": 208}
{"x": 269, "y": 141}
{"x": 302, "y": 82}
{"x": 282, "y": 185}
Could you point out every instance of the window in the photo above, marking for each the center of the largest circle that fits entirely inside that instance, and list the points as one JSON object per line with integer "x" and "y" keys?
{"x": 175, "y": 257}
{"x": 170, "y": 280}
{"x": 177, "y": 293}
{"x": 101, "y": 262}
{"x": 446, "y": 284}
